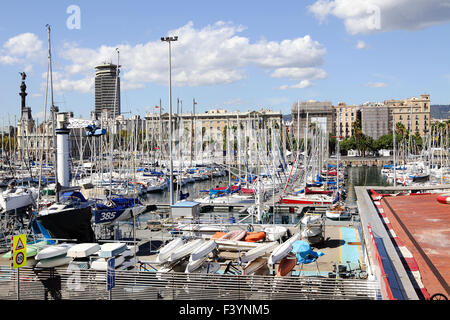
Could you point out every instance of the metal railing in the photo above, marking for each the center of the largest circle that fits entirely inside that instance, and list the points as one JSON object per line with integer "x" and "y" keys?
{"x": 83, "y": 284}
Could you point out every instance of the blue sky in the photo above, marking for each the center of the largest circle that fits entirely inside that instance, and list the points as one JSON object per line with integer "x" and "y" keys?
{"x": 236, "y": 55}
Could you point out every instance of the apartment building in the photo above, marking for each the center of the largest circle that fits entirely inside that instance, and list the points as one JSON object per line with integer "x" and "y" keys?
{"x": 344, "y": 116}
{"x": 413, "y": 113}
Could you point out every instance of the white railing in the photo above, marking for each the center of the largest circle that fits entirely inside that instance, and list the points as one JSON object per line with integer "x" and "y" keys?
{"x": 62, "y": 283}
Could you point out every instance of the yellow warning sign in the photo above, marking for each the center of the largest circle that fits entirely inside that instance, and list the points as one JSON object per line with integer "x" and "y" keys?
{"x": 19, "y": 251}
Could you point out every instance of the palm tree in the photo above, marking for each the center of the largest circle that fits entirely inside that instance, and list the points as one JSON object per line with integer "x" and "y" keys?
{"x": 400, "y": 129}
{"x": 357, "y": 133}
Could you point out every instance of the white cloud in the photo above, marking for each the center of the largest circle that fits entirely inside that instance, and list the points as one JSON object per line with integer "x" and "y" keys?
{"x": 62, "y": 84}
{"x": 367, "y": 16}
{"x": 376, "y": 84}
{"x": 361, "y": 45}
{"x": 24, "y": 49}
{"x": 303, "y": 84}
{"x": 303, "y": 74}
{"x": 299, "y": 73}
{"x": 215, "y": 54}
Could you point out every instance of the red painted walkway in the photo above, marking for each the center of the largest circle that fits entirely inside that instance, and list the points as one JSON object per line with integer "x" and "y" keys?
{"x": 421, "y": 225}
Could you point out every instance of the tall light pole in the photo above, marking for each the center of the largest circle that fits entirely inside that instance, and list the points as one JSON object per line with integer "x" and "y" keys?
{"x": 169, "y": 40}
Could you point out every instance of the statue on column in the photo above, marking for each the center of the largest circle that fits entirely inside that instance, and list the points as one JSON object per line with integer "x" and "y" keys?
{"x": 23, "y": 88}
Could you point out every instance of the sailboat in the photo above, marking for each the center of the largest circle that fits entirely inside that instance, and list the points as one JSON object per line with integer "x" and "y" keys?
{"x": 117, "y": 207}
{"x": 70, "y": 216}
{"x": 17, "y": 198}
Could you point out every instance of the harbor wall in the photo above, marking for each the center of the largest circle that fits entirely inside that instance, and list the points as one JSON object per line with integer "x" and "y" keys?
{"x": 363, "y": 162}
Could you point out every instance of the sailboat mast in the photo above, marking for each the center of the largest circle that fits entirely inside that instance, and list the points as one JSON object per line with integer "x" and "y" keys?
{"x": 394, "y": 149}
{"x": 53, "y": 110}
{"x": 111, "y": 140}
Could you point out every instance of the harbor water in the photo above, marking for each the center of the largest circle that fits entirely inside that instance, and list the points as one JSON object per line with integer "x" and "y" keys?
{"x": 362, "y": 176}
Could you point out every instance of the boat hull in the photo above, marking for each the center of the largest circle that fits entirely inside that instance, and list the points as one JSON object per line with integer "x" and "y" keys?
{"x": 69, "y": 224}
{"x": 286, "y": 265}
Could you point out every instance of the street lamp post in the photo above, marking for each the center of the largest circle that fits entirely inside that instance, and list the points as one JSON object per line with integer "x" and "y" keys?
{"x": 169, "y": 40}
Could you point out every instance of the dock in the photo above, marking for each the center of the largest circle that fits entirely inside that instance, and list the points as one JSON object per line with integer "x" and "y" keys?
{"x": 411, "y": 233}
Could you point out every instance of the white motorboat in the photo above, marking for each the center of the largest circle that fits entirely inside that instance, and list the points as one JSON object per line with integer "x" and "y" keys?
{"x": 274, "y": 233}
{"x": 17, "y": 198}
{"x": 337, "y": 213}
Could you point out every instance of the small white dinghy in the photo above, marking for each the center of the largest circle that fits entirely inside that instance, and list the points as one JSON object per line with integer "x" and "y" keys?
{"x": 53, "y": 251}
{"x": 195, "y": 264}
{"x": 203, "y": 250}
{"x": 54, "y": 262}
{"x": 274, "y": 233}
{"x": 113, "y": 249}
{"x": 83, "y": 250}
{"x": 164, "y": 253}
{"x": 185, "y": 250}
{"x": 258, "y": 251}
{"x": 283, "y": 249}
{"x": 101, "y": 264}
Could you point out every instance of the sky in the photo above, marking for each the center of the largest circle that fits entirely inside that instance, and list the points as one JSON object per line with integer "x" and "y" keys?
{"x": 234, "y": 55}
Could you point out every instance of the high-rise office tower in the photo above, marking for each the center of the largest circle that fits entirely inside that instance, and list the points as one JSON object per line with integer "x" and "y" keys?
{"x": 106, "y": 77}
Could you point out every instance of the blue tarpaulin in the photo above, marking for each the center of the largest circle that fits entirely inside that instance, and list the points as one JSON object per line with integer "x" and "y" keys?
{"x": 304, "y": 253}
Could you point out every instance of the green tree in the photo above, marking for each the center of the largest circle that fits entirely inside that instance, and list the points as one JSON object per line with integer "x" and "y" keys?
{"x": 332, "y": 142}
{"x": 384, "y": 142}
{"x": 347, "y": 145}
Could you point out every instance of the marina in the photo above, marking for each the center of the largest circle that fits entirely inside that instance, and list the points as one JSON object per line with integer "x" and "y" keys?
{"x": 189, "y": 202}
